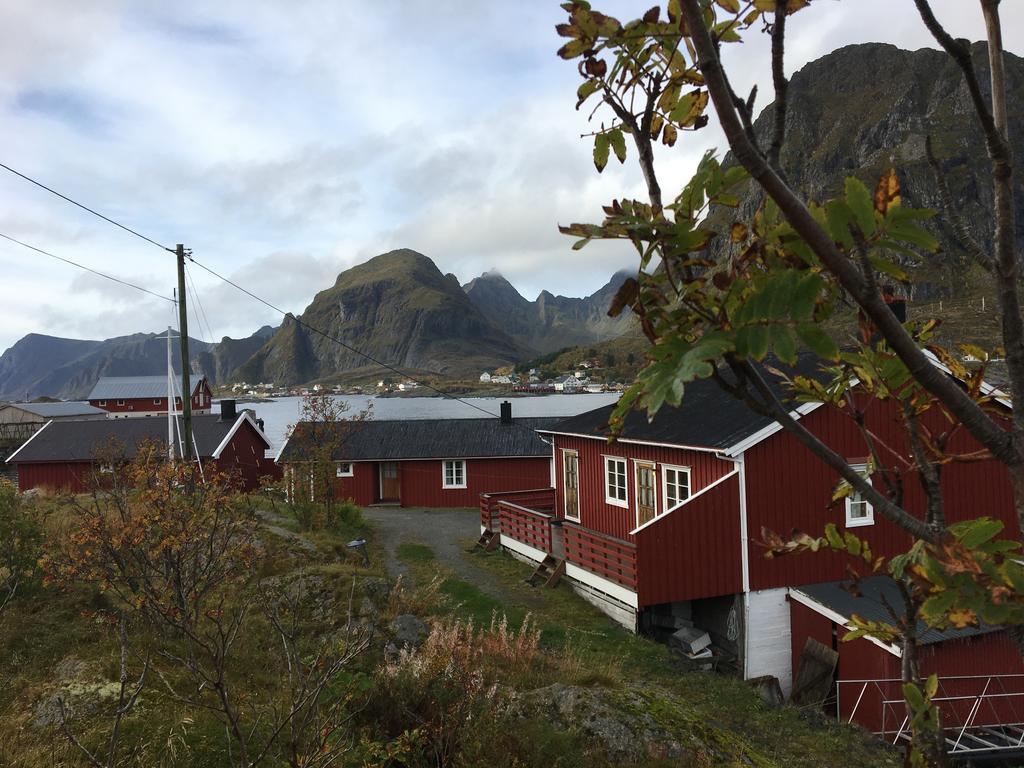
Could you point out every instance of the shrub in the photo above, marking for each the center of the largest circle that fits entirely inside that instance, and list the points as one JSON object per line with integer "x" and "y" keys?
{"x": 20, "y": 539}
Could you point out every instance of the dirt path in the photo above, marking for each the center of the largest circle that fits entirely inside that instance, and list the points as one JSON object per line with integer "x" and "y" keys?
{"x": 445, "y": 531}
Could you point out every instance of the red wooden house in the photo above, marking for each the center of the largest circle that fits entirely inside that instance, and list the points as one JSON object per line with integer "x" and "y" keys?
{"x": 125, "y": 396}
{"x": 660, "y": 528}
{"x": 422, "y": 462}
{"x": 71, "y": 455}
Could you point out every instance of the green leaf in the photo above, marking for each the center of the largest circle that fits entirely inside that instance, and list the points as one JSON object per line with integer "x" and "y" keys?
{"x": 881, "y": 264}
{"x": 935, "y": 608}
{"x": 913, "y": 697}
{"x": 861, "y": 205}
{"x": 835, "y": 539}
{"x": 756, "y": 338}
{"x": 979, "y": 531}
{"x": 805, "y": 296}
{"x": 784, "y": 344}
{"x": 818, "y": 341}
{"x": 601, "y": 146}
{"x": 838, "y": 217}
{"x": 931, "y": 686}
{"x": 913, "y": 234}
{"x": 618, "y": 142}
{"x": 586, "y": 90}
{"x": 853, "y": 544}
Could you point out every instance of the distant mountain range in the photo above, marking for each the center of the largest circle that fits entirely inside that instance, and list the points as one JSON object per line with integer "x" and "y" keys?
{"x": 397, "y": 307}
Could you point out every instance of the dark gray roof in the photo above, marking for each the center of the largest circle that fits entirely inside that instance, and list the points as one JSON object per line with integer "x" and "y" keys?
{"x": 392, "y": 440}
{"x": 83, "y": 440}
{"x": 869, "y": 600}
{"x": 708, "y": 417}
{"x": 128, "y": 387}
{"x": 58, "y": 410}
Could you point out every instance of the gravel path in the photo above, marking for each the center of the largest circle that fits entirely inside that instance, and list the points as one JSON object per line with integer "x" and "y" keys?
{"x": 445, "y": 531}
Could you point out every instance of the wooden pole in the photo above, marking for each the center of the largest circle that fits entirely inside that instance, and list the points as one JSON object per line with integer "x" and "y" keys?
{"x": 186, "y": 386}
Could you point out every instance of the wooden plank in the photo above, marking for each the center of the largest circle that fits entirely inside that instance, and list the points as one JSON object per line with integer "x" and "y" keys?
{"x": 815, "y": 673}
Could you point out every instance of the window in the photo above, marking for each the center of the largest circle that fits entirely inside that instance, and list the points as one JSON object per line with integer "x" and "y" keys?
{"x": 343, "y": 469}
{"x": 454, "y": 474}
{"x": 675, "y": 485}
{"x": 103, "y": 402}
{"x": 858, "y": 509}
{"x": 157, "y": 401}
{"x": 615, "y": 481}
{"x": 120, "y": 402}
{"x": 106, "y": 469}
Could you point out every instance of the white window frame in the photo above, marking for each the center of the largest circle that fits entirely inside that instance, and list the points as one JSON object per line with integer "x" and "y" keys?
{"x": 665, "y": 469}
{"x": 854, "y": 498}
{"x": 120, "y": 402}
{"x": 344, "y": 469}
{"x": 456, "y": 464}
{"x": 566, "y": 452}
{"x": 157, "y": 401}
{"x": 102, "y": 402}
{"x": 608, "y": 498}
{"x": 106, "y": 469}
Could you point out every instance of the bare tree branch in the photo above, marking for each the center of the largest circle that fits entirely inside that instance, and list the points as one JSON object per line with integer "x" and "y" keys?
{"x": 780, "y": 83}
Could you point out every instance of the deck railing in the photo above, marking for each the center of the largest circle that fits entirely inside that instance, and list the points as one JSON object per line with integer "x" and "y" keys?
{"x": 525, "y": 525}
{"x": 980, "y": 713}
{"x": 608, "y": 557}
{"x": 537, "y": 499}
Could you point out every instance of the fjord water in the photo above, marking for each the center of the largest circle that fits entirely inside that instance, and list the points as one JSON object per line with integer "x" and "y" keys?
{"x": 283, "y": 412}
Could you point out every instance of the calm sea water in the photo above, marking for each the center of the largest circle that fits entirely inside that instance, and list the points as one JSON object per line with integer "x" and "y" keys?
{"x": 279, "y": 415}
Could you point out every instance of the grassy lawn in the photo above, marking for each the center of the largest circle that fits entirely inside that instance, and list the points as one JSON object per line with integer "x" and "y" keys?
{"x": 598, "y": 652}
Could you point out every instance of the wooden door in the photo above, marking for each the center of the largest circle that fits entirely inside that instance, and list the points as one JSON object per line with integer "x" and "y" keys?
{"x": 389, "y": 487}
{"x": 646, "y": 496}
{"x": 571, "y": 474}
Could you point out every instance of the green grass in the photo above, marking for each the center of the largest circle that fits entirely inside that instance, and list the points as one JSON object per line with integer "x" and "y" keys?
{"x": 410, "y": 553}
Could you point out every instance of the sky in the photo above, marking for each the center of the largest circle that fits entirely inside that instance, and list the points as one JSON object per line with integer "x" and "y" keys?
{"x": 284, "y": 142}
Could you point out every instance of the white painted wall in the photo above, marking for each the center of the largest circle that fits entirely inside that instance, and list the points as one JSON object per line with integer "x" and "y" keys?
{"x": 768, "y": 637}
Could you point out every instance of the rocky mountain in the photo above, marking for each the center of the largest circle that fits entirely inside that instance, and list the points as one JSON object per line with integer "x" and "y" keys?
{"x": 549, "y": 322}
{"x": 863, "y": 108}
{"x": 68, "y": 368}
{"x": 397, "y": 307}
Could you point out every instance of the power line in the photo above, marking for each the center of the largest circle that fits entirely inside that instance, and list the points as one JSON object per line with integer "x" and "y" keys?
{"x": 84, "y": 207}
{"x": 338, "y": 341}
{"x": 87, "y": 269}
{"x": 326, "y": 335}
{"x": 199, "y": 303}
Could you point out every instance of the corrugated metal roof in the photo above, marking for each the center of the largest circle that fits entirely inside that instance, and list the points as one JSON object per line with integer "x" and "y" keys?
{"x": 58, "y": 410}
{"x": 83, "y": 440}
{"x": 869, "y": 601}
{"x": 392, "y": 440}
{"x": 128, "y": 387}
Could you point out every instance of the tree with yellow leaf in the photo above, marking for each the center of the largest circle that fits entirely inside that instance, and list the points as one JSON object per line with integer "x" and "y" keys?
{"x": 793, "y": 267}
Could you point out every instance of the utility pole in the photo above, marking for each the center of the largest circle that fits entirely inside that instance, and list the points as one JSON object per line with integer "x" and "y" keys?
{"x": 186, "y": 386}
{"x": 170, "y": 399}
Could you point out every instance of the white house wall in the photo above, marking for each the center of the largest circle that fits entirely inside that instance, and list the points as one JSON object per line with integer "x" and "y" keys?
{"x": 769, "y": 637}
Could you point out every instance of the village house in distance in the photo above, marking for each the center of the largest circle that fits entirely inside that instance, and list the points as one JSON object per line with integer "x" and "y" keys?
{"x": 129, "y": 396}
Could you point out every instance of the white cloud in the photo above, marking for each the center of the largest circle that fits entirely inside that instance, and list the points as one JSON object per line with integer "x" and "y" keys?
{"x": 284, "y": 142}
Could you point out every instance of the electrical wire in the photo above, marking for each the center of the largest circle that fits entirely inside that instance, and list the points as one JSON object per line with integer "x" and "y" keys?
{"x": 249, "y": 293}
{"x": 84, "y": 207}
{"x": 87, "y": 269}
{"x": 199, "y": 304}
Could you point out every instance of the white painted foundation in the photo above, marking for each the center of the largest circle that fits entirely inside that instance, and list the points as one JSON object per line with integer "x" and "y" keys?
{"x": 768, "y": 637}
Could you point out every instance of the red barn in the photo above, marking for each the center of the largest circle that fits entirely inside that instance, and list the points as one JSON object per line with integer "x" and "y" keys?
{"x": 660, "y": 528}
{"x": 423, "y": 462}
{"x": 126, "y": 396}
{"x": 68, "y": 455}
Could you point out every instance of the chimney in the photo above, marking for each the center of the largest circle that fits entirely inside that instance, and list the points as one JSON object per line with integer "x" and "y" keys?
{"x": 227, "y": 410}
{"x": 506, "y": 412}
{"x": 898, "y": 304}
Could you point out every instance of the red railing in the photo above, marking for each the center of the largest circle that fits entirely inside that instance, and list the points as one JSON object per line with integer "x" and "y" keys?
{"x": 538, "y": 499}
{"x": 608, "y": 557}
{"x": 525, "y": 525}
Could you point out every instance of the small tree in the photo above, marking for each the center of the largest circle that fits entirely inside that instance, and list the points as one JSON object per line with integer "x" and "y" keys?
{"x": 789, "y": 269}
{"x": 323, "y": 428}
{"x": 20, "y": 540}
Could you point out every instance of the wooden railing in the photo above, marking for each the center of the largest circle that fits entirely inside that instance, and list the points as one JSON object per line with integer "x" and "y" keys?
{"x": 537, "y": 499}
{"x": 525, "y": 525}
{"x": 608, "y": 557}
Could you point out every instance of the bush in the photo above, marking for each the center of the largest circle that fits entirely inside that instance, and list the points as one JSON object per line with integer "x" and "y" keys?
{"x": 20, "y": 544}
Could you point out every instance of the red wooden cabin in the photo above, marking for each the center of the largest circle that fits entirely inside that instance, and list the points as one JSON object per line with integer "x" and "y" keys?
{"x": 145, "y": 396}
{"x": 421, "y": 462}
{"x": 71, "y": 455}
{"x": 661, "y": 527}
